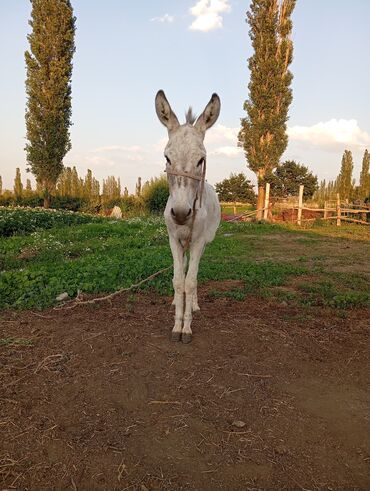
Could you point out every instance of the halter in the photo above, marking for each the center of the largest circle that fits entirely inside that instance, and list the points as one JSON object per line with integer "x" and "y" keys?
{"x": 192, "y": 176}
{"x": 201, "y": 179}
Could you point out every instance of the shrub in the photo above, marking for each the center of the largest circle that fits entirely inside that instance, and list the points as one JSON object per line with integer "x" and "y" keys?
{"x": 155, "y": 194}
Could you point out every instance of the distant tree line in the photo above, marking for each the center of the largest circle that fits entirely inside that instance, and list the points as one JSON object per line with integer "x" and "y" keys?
{"x": 85, "y": 193}
{"x": 345, "y": 184}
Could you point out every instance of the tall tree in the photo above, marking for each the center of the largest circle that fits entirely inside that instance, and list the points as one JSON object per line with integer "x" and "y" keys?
{"x": 18, "y": 186}
{"x": 48, "y": 86}
{"x": 263, "y": 131}
{"x": 344, "y": 180}
{"x": 364, "y": 190}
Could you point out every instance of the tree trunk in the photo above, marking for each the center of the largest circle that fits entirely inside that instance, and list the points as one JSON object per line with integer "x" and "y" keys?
{"x": 46, "y": 197}
{"x": 47, "y": 201}
{"x": 261, "y": 194}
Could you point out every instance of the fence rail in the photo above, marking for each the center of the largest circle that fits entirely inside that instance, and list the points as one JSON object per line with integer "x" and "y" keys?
{"x": 333, "y": 210}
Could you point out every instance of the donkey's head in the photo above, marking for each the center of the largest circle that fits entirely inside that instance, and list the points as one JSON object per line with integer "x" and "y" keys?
{"x": 185, "y": 153}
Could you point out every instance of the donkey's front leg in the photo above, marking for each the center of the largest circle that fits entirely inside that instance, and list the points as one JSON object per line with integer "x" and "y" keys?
{"x": 196, "y": 252}
{"x": 178, "y": 286}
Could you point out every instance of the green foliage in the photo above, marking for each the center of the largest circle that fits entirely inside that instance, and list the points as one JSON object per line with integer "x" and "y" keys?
{"x": 18, "y": 221}
{"x": 327, "y": 293}
{"x": 48, "y": 86}
{"x": 236, "y": 188}
{"x": 155, "y": 194}
{"x": 345, "y": 184}
{"x": 287, "y": 177}
{"x": 263, "y": 131}
{"x": 18, "y": 186}
{"x": 364, "y": 188}
{"x": 111, "y": 190}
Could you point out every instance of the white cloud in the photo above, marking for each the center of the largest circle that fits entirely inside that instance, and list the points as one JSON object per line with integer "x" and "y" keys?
{"x": 227, "y": 151}
{"x": 166, "y": 18}
{"x": 117, "y": 153}
{"x": 207, "y": 14}
{"x": 221, "y": 133}
{"x": 332, "y": 135}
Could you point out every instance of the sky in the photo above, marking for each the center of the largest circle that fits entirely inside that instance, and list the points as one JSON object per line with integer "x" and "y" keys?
{"x": 126, "y": 51}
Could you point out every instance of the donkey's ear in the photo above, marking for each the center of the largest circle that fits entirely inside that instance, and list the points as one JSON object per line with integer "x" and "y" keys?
{"x": 164, "y": 112}
{"x": 209, "y": 115}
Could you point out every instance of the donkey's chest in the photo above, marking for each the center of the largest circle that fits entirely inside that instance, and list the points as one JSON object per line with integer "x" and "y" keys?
{"x": 181, "y": 233}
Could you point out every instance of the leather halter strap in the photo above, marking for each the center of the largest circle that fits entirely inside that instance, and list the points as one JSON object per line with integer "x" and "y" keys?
{"x": 184, "y": 174}
{"x": 201, "y": 180}
{"x": 192, "y": 176}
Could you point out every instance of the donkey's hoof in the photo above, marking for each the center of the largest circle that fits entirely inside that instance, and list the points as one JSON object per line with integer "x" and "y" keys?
{"x": 195, "y": 308}
{"x": 186, "y": 337}
{"x": 175, "y": 336}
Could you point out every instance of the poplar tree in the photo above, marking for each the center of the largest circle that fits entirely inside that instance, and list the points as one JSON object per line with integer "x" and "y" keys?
{"x": 48, "y": 87}
{"x": 88, "y": 184}
{"x": 18, "y": 186}
{"x": 263, "y": 131}
{"x": 365, "y": 176}
{"x": 344, "y": 180}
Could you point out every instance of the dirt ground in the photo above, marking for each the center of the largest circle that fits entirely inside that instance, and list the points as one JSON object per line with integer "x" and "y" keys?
{"x": 266, "y": 397}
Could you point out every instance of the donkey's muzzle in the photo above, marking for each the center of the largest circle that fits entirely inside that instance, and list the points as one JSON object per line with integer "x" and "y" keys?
{"x": 180, "y": 216}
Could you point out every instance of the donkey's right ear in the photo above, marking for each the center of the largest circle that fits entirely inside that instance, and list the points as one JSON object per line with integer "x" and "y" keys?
{"x": 164, "y": 112}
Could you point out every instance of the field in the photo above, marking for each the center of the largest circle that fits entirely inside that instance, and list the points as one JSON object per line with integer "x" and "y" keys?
{"x": 273, "y": 392}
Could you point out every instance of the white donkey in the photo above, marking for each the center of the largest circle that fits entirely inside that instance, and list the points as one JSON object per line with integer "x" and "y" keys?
{"x": 193, "y": 211}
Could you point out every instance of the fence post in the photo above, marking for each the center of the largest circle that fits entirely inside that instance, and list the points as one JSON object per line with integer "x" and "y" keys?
{"x": 300, "y": 202}
{"x": 325, "y": 210}
{"x": 234, "y": 210}
{"x": 338, "y": 210}
{"x": 267, "y": 200}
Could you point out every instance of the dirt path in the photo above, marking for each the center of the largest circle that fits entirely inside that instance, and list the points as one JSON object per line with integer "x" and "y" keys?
{"x": 267, "y": 397}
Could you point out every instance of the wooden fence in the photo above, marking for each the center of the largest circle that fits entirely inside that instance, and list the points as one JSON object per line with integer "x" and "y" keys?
{"x": 274, "y": 210}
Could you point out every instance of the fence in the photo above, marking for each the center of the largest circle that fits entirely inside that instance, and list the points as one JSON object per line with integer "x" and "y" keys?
{"x": 276, "y": 210}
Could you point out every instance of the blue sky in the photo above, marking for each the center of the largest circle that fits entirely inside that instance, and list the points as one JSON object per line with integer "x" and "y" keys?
{"x": 126, "y": 51}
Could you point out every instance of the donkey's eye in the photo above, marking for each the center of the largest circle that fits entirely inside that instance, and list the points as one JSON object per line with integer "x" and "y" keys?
{"x": 200, "y": 162}
{"x": 168, "y": 160}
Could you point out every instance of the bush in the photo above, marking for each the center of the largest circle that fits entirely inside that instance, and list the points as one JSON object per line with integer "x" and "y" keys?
{"x": 24, "y": 221}
{"x": 155, "y": 194}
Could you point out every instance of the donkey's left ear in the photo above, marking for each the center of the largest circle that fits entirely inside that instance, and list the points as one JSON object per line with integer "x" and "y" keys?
{"x": 209, "y": 115}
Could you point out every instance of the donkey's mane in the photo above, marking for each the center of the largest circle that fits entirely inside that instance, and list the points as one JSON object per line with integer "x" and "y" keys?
{"x": 190, "y": 116}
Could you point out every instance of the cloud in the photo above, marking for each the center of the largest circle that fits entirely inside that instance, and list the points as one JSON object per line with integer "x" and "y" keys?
{"x": 116, "y": 153}
{"x": 332, "y": 135}
{"x": 166, "y": 18}
{"x": 207, "y": 14}
{"x": 221, "y": 133}
{"x": 227, "y": 151}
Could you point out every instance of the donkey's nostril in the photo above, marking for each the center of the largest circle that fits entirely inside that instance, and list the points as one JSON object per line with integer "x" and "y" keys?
{"x": 189, "y": 212}
{"x": 172, "y": 212}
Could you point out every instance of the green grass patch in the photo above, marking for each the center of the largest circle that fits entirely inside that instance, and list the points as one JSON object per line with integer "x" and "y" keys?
{"x": 102, "y": 256}
{"x": 15, "y": 342}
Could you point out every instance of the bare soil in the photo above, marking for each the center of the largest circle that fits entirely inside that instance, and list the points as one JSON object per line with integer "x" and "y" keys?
{"x": 266, "y": 397}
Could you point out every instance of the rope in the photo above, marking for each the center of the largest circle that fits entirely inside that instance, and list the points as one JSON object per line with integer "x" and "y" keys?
{"x": 77, "y": 301}
{"x": 71, "y": 304}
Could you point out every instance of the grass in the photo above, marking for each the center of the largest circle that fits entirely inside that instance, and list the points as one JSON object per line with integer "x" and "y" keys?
{"x": 106, "y": 255}
{"x": 15, "y": 342}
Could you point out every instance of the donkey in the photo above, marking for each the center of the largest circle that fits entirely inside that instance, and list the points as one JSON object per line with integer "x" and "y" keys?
{"x": 192, "y": 213}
